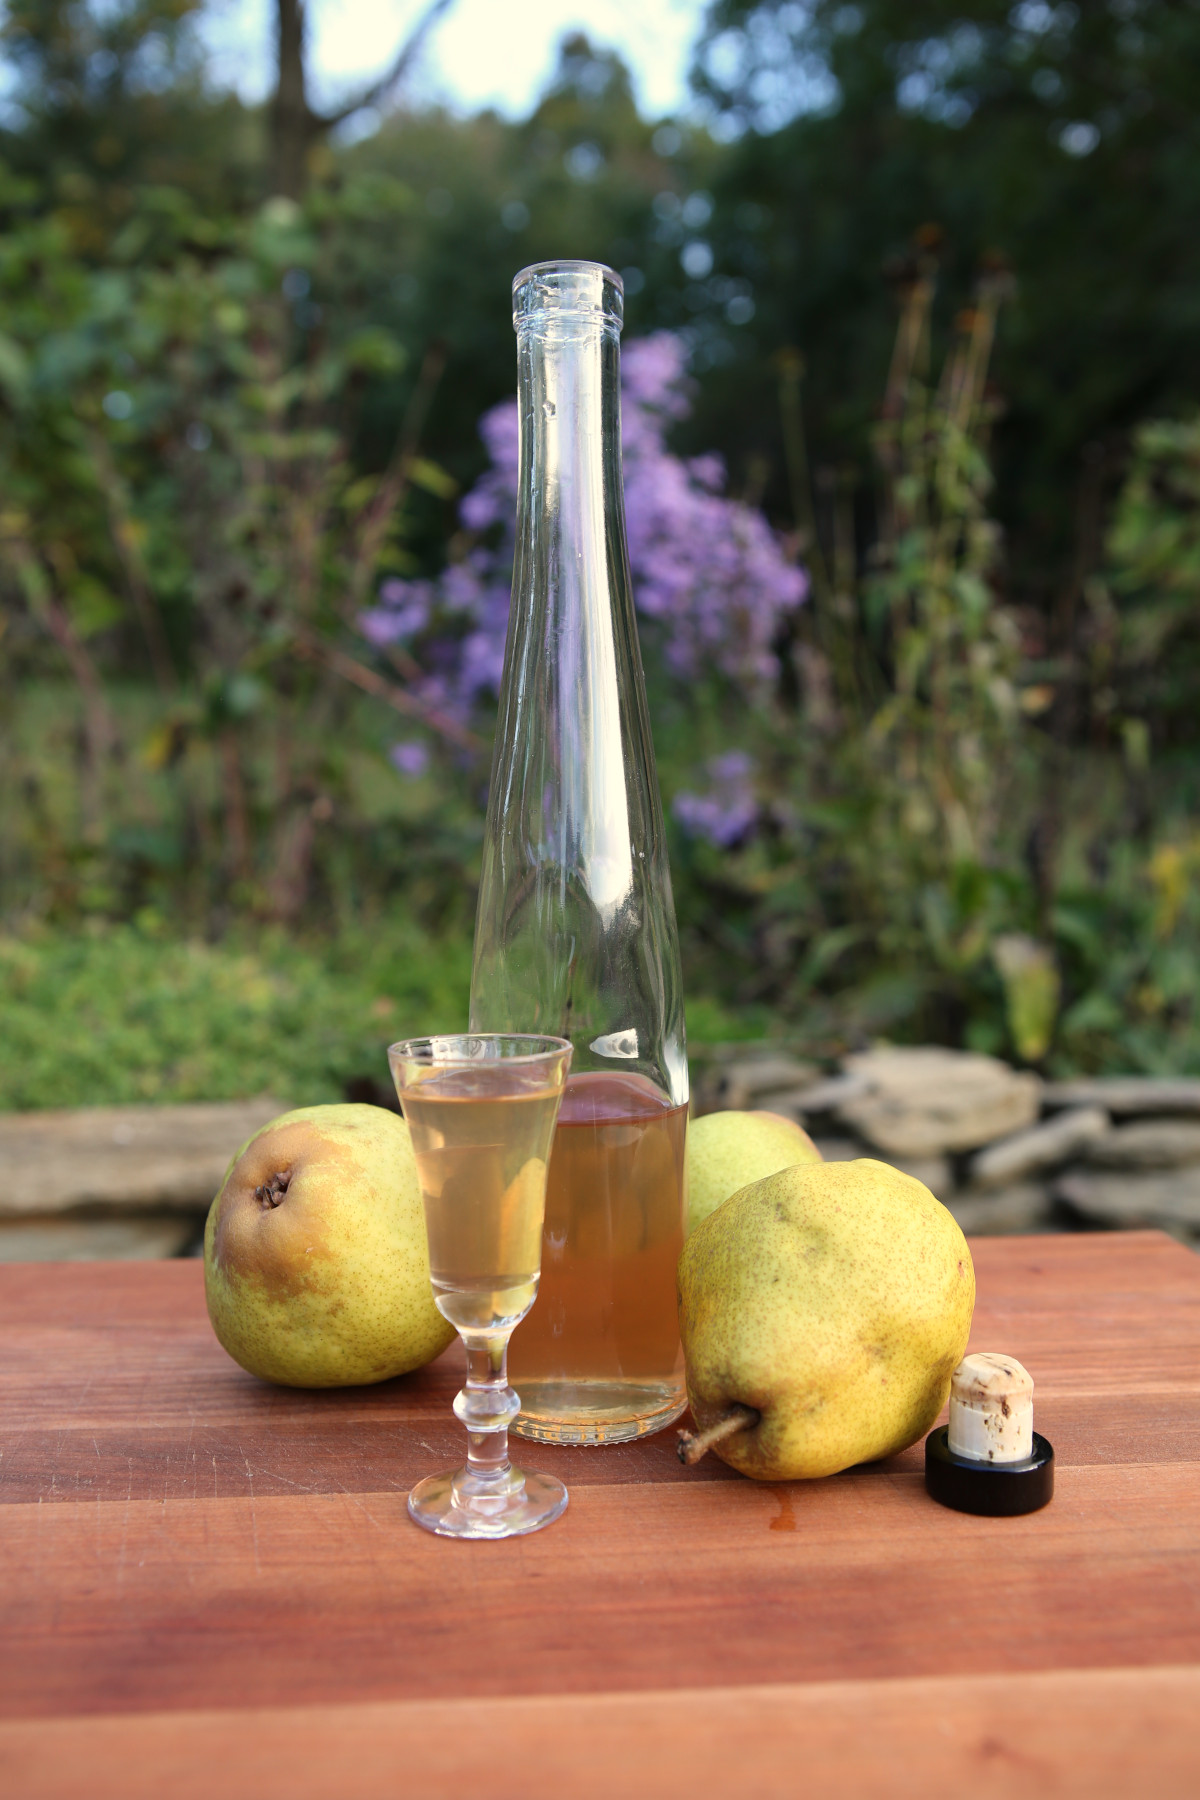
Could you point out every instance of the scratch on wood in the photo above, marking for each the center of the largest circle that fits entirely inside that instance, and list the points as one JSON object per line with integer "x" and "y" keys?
{"x": 253, "y": 1515}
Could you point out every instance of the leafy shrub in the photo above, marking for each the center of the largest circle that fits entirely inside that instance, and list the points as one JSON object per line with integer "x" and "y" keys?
{"x": 908, "y": 852}
{"x": 182, "y": 489}
{"x": 125, "y": 1013}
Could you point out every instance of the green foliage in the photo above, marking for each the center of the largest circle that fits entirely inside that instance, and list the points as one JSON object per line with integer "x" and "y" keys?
{"x": 383, "y": 846}
{"x": 1154, "y": 553}
{"x": 181, "y": 492}
{"x": 926, "y": 865}
{"x": 1032, "y": 991}
{"x": 579, "y": 178}
{"x": 105, "y": 101}
{"x": 946, "y": 717}
{"x": 131, "y": 1013}
{"x": 1065, "y": 137}
{"x": 128, "y": 1013}
{"x": 222, "y": 422}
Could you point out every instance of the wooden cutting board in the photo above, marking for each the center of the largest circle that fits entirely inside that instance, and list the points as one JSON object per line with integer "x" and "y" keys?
{"x": 210, "y": 1587}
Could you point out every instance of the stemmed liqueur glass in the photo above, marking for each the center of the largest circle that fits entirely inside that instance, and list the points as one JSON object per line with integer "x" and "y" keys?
{"x": 482, "y": 1110}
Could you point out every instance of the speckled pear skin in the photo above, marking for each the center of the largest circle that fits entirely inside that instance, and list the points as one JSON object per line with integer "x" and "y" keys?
{"x": 836, "y": 1300}
{"x": 330, "y": 1288}
{"x": 727, "y": 1150}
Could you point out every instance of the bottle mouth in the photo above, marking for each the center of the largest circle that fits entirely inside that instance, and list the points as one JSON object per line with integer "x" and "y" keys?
{"x": 584, "y": 291}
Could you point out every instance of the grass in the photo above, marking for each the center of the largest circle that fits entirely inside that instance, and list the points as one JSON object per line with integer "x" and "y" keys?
{"x": 112, "y": 1014}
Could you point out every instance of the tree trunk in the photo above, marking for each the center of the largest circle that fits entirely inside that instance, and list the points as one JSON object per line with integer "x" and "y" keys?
{"x": 295, "y": 126}
{"x": 292, "y": 120}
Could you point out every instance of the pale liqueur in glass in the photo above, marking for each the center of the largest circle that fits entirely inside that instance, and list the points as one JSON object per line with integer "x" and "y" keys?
{"x": 481, "y": 1110}
{"x": 575, "y": 932}
{"x": 482, "y": 1164}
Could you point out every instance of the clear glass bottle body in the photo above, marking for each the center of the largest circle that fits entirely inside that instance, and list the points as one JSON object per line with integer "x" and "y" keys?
{"x": 575, "y": 932}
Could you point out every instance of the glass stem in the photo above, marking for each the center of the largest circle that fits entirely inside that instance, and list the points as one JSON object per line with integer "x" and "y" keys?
{"x": 487, "y": 1407}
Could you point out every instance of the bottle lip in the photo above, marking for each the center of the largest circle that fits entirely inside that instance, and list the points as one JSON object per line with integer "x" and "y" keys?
{"x": 586, "y": 291}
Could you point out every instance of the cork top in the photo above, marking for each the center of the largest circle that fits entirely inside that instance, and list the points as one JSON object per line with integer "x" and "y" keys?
{"x": 989, "y": 1382}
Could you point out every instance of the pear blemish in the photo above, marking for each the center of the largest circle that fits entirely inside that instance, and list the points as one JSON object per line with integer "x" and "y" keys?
{"x": 270, "y": 1193}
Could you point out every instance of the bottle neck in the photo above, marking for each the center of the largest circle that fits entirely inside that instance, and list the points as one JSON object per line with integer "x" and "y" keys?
{"x": 571, "y": 582}
{"x": 570, "y": 507}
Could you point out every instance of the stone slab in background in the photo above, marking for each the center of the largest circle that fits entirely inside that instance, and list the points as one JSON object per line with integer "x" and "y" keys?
{"x": 742, "y": 1083}
{"x": 787, "y": 1102}
{"x": 1150, "y": 1144}
{"x": 1126, "y": 1095}
{"x": 1025, "y": 1206}
{"x": 97, "y": 1240}
{"x": 834, "y": 1092}
{"x": 1042, "y": 1147}
{"x": 930, "y": 1102}
{"x": 1170, "y": 1200}
{"x": 128, "y": 1159}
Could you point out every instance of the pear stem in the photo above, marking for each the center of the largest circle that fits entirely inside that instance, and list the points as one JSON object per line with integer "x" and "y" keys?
{"x": 693, "y": 1444}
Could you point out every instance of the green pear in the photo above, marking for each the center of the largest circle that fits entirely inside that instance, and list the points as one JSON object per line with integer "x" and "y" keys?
{"x": 728, "y": 1150}
{"x": 316, "y": 1267}
{"x": 833, "y": 1301}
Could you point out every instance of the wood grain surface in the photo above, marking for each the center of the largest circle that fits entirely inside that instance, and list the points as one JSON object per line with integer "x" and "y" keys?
{"x": 196, "y": 1566}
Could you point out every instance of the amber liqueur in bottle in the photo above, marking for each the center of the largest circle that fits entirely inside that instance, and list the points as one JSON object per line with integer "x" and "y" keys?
{"x": 575, "y": 932}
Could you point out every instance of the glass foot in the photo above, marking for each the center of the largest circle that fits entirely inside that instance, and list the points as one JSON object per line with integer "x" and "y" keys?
{"x": 458, "y": 1505}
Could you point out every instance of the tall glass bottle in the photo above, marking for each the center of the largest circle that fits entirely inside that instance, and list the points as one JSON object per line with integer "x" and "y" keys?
{"x": 575, "y": 933}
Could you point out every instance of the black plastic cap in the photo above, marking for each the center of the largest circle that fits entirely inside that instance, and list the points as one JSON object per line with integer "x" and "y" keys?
{"x": 993, "y": 1490}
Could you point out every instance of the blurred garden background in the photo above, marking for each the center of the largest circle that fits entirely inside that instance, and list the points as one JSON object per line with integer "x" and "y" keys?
{"x": 912, "y": 397}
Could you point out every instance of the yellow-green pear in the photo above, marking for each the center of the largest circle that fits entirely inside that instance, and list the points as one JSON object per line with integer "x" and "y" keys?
{"x": 831, "y": 1303}
{"x": 728, "y": 1150}
{"x": 316, "y": 1268}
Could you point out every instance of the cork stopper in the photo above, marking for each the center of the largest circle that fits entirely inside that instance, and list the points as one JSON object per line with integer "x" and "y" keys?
{"x": 989, "y": 1460}
{"x": 991, "y": 1409}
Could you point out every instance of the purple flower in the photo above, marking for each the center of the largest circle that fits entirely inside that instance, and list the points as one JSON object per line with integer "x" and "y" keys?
{"x": 726, "y": 814}
{"x": 500, "y": 431}
{"x": 403, "y": 611}
{"x": 707, "y": 472}
{"x": 654, "y": 375}
{"x": 708, "y": 569}
{"x": 410, "y": 758}
{"x": 480, "y": 508}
